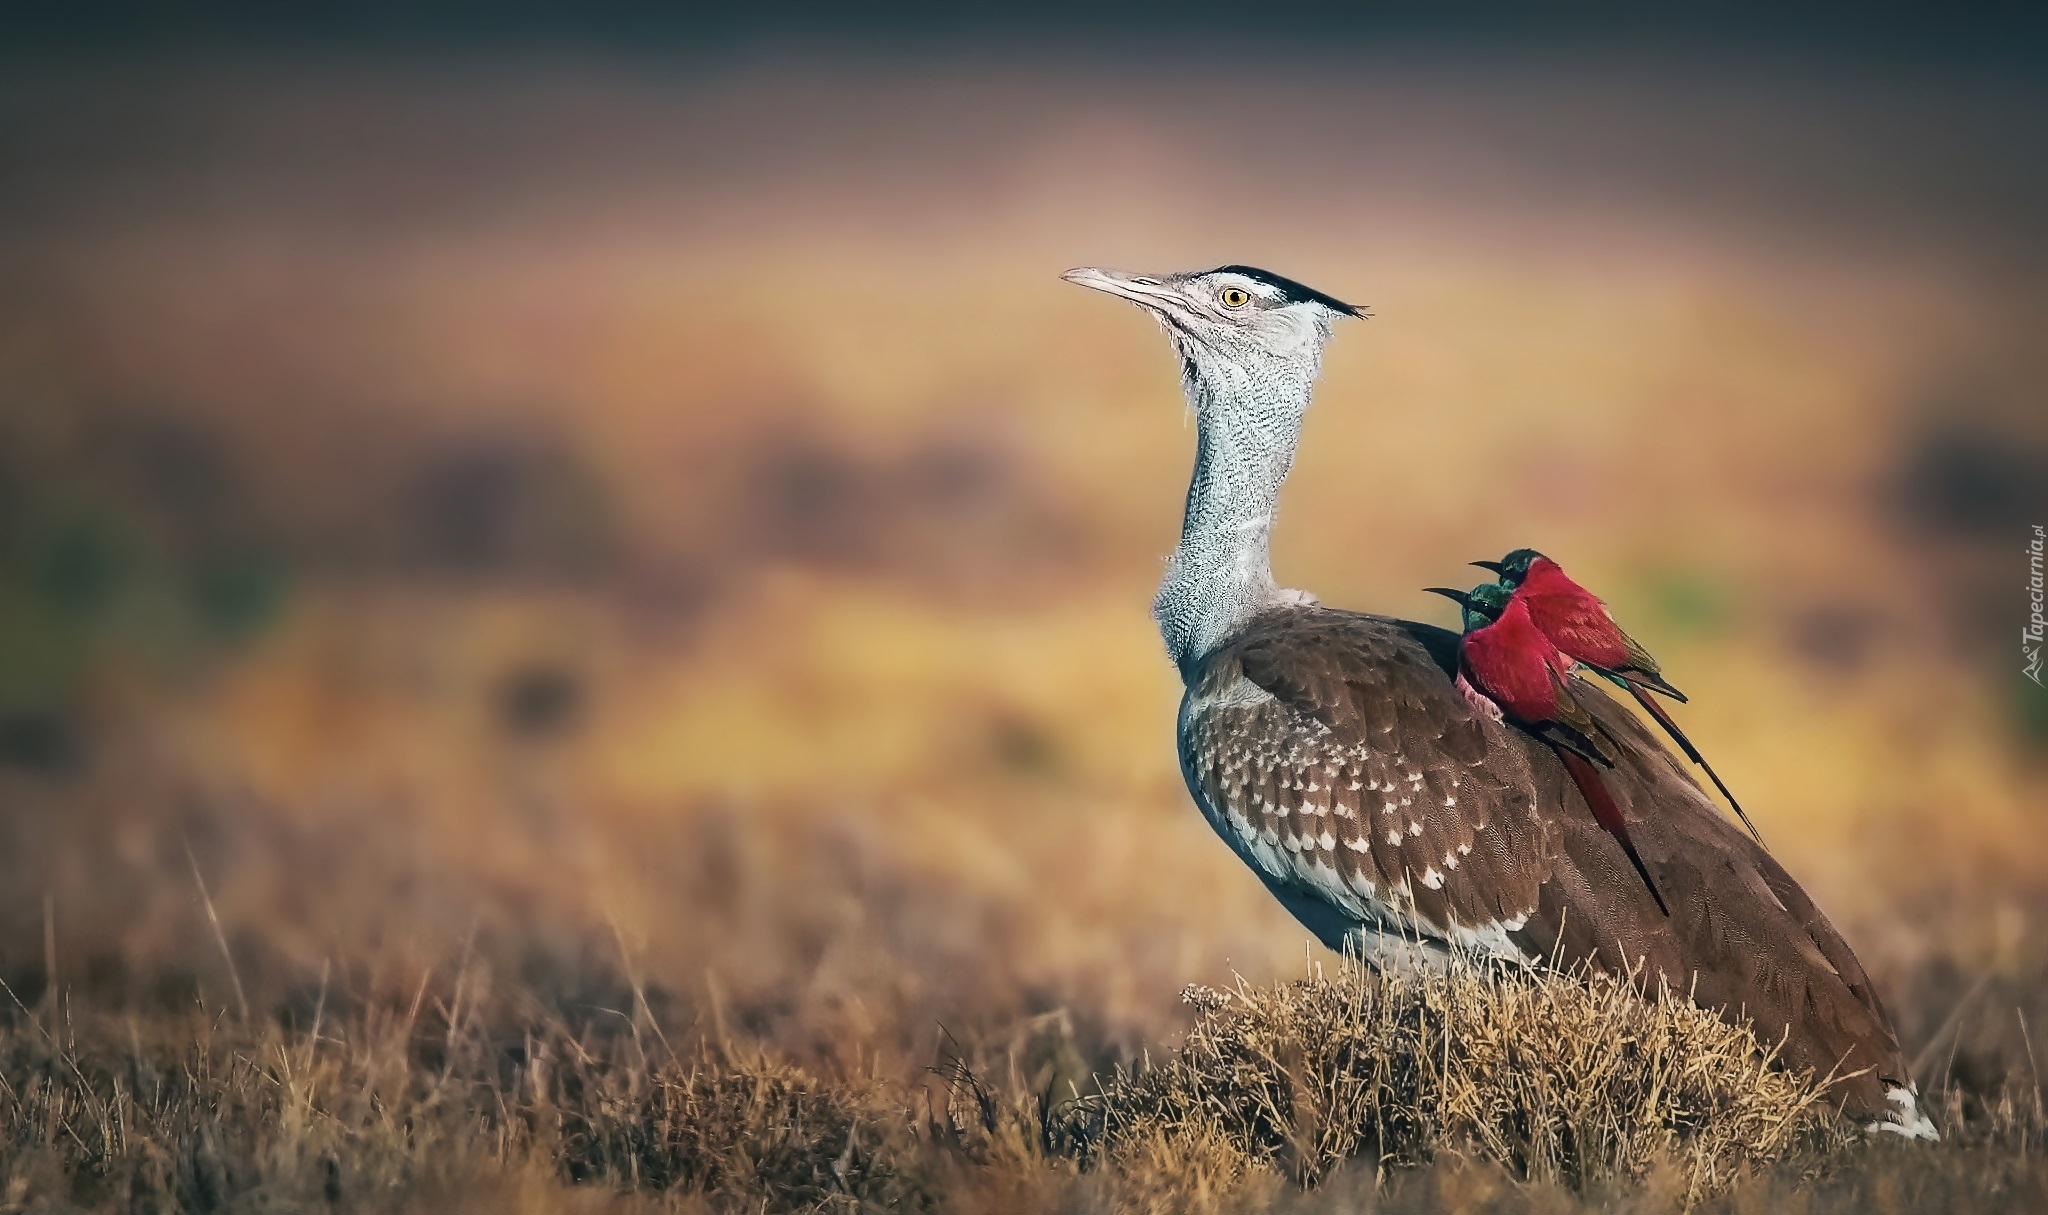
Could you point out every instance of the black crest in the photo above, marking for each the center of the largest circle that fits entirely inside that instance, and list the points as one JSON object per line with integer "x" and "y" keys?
{"x": 1291, "y": 291}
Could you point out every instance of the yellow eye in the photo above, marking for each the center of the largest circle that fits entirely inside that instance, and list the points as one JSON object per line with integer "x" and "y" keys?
{"x": 1235, "y": 297}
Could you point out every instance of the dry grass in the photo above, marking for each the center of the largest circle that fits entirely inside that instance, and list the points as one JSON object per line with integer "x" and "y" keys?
{"x": 1479, "y": 1090}
{"x": 1561, "y": 1084}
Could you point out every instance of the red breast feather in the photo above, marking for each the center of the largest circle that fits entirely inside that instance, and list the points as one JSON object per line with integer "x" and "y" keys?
{"x": 1511, "y": 662}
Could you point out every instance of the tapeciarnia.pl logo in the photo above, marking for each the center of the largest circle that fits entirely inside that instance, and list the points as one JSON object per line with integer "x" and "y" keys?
{"x": 2036, "y": 626}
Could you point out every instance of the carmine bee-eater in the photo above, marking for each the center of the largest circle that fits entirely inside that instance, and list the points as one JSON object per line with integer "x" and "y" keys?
{"x": 1580, "y": 626}
{"x": 1507, "y": 659}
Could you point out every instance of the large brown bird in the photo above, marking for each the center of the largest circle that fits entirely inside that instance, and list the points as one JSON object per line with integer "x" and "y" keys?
{"x": 1394, "y": 817}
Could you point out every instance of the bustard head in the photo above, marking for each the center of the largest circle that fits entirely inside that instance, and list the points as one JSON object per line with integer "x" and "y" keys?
{"x": 1233, "y": 323}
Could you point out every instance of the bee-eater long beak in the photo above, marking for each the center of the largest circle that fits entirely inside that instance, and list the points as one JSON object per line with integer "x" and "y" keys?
{"x": 1461, "y": 598}
{"x": 1492, "y": 566}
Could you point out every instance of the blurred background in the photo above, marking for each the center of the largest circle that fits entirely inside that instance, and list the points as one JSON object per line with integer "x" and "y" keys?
{"x": 561, "y": 492}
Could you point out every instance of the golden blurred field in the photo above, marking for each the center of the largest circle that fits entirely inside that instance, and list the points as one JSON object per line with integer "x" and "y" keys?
{"x": 519, "y": 527}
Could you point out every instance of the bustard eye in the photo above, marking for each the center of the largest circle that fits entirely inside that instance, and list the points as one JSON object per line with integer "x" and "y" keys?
{"x": 1235, "y": 297}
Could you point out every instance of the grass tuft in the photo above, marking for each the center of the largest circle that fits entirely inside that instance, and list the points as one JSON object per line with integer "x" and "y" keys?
{"x": 1577, "y": 1084}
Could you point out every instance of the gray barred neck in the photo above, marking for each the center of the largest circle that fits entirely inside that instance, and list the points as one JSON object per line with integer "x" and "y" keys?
{"x": 1215, "y": 583}
{"x": 1221, "y": 573}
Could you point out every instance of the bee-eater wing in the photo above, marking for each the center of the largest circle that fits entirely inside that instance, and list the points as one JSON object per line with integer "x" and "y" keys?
{"x": 1564, "y": 737}
{"x": 1643, "y": 669}
{"x": 1573, "y": 714}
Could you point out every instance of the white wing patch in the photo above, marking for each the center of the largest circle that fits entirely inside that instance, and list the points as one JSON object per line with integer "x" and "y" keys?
{"x": 1907, "y": 1122}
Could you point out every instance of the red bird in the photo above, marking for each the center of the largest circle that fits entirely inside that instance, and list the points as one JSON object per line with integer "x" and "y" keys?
{"x": 1507, "y": 659}
{"x": 1579, "y": 625}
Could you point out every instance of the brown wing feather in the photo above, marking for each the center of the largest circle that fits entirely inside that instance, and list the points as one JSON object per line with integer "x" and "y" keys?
{"x": 1333, "y": 752}
{"x": 1337, "y": 758}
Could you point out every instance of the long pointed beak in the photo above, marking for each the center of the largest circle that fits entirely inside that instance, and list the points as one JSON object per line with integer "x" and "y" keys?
{"x": 1494, "y": 566}
{"x": 1137, "y": 288}
{"x": 1461, "y": 598}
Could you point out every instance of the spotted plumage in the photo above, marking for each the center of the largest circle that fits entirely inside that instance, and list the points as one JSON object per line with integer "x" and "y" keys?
{"x": 1313, "y": 771}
